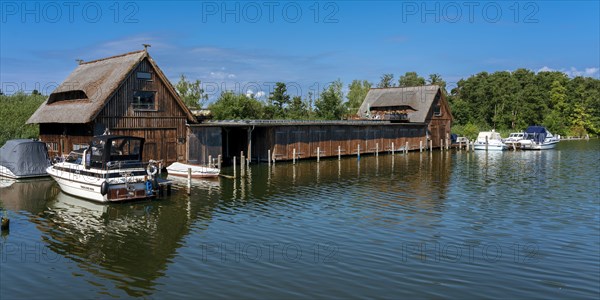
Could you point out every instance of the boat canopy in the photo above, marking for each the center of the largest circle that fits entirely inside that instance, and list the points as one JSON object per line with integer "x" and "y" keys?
{"x": 25, "y": 157}
{"x": 107, "y": 150}
{"x": 537, "y": 133}
{"x": 491, "y": 135}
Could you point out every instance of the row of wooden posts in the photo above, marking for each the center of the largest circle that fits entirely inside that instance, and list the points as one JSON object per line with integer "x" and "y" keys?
{"x": 244, "y": 163}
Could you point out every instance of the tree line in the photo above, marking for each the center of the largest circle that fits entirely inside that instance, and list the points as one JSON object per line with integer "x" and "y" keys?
{"x": 505, "y": 101}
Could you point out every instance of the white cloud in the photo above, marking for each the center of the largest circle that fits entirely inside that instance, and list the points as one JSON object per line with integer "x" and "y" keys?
{"x": 221, "y": 75}
{"x": 260, "y": 94}
{"x": 573, "y": 72}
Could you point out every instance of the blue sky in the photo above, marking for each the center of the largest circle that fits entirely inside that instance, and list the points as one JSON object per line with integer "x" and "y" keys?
{"x": 248, "y": 45}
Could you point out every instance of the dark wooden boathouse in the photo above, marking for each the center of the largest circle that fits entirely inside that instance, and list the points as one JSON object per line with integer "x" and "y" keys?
{"x": 126, "y": 94}
{"x": 391, "y": 119}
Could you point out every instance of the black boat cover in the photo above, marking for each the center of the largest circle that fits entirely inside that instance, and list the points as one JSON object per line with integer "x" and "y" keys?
{"x": 536, "y": 133}
{"x": 25, "y": 157}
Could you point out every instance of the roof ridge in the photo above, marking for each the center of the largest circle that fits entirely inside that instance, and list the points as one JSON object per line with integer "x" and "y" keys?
{"x": 404, "y": 87}
{"x": 111, "y": 57}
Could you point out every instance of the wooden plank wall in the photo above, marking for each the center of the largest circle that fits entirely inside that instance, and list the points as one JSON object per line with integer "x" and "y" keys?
{"x": 168, "y": 117}
{"x": 282, "y": 140}
{"x": 202, "y": 143}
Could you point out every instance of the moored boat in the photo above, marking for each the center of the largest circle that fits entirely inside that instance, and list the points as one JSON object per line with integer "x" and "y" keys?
{"x": 181, "y": 170}
{"x": 110, "y": 169}
{"x": 489, "y": 141}
{"x": 23, "y": 158}
{"x": 538, "y": 138}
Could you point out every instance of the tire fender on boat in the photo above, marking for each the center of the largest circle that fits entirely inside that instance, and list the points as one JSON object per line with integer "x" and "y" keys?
{"x": 151, "y": 170}
{"x": 104, "y": 188}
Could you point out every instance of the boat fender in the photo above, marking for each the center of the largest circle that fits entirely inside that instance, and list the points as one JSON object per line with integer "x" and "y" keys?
{"x": 151, "y": 170}
{"x": 104, "y": 188}
{"x": 148, "y": 187}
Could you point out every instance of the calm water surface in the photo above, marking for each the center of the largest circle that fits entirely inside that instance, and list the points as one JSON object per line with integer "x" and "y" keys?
{"x": 440, "y": 225}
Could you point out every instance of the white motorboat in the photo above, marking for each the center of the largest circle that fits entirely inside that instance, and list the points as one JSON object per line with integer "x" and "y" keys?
{"x": 513, "y": 139}
{"x": 23, "y": 158}
{"x": 179, "y": 169}
{"x": 110, "y": 169}
{"x": 489, "y": 141}
{"x": 538, "y": 138}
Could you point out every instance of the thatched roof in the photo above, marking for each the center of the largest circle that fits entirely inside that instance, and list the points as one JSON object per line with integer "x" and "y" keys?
{"x": 416, "y": 100}
{"x": 89, "y": 87}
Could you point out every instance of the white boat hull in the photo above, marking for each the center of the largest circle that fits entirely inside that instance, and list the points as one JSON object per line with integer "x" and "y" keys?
{"x": 536, "y": 146}
{"x": 89, "y": 187}
{"x": 181, "y": 170}
{"x": 489, "y": 147}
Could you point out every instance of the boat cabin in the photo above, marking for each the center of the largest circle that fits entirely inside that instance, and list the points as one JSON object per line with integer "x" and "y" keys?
{"x": 110, "y": 151}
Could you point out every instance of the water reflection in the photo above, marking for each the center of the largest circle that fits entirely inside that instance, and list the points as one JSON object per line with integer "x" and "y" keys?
{"x": 369, "y": 208}
{"x": 130, "y": 244}
{"x": 26, "y": 195}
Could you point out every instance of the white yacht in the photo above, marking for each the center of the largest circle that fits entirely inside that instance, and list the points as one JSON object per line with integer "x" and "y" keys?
{"x": 109, "y": 169}
{"x": 513, "y": 139}
{"x": 538, "y": 138}
{"x": 489, "y": 141}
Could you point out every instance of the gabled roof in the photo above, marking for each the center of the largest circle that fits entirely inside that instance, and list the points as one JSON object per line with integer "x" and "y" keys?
{"x": 418, "y": 98}
{"x": 89, "y": 87}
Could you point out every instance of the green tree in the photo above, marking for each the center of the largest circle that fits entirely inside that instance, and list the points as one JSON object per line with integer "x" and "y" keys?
{"x": 298, "y": 109}
{"x": 356, "y": 95}
{"x": 329, "y": 105}
{"x": 231, "y": 106}
{"x": 556, "y": 120}
{"x": 15, "y": 110}
{"x": 278, "y": 102}
{"x": 191, "y": 93}
{"x": 411, "y": 79}
{"x": 436, "y": 79}
{"x": 386, "y": 81}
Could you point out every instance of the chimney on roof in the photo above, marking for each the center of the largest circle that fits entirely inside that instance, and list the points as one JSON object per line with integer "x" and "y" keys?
{"x": 146, "y": 46}
{"x": 79, "y": 61}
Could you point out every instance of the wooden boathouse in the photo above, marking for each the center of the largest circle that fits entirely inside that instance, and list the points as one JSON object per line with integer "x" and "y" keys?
{"x": 392, "y": 119}
{"x": 126, "y": 94}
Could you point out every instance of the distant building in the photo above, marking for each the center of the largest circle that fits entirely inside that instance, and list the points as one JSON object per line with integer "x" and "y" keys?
{"x": 391, "y": 119}
{"x": 420, "y": 104}
{"x": 126, "y": 94}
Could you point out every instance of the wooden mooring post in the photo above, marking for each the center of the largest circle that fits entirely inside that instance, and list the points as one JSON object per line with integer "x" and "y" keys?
{"x": 318, "y": 154}
{"x": 269, "y": 157}
{"x": 242, "y": 164}
{"x": 421, "y": 146}
{"x": 189, "y": 181}
{"x": 406, "y": 148}
{"x": 376, "y": 149}
{"x": 393, "y": 149}
{"x": 358, "y": 152}
{"x": 234, "y": 168}
{"x": 441, "y": 144}
{"x": 339, "y": 152}
{"x": 219, "y": 158}
{"x": 294, "y": 156}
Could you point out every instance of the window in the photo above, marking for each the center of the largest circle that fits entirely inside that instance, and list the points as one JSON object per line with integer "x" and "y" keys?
{"x": 144, "y": 100}
{"x": 52, "y": 146}
{"x": 437, "y": 111}
{"x": 79, "y": 146}
{"x": 144, "y": 75}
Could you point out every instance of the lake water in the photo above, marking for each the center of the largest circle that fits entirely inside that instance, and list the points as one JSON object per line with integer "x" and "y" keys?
{"x": 439, "y": 225}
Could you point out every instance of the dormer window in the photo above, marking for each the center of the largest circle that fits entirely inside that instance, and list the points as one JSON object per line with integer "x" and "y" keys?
{"x": 67, "y": 96}
{"x": 144, "y": 100}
